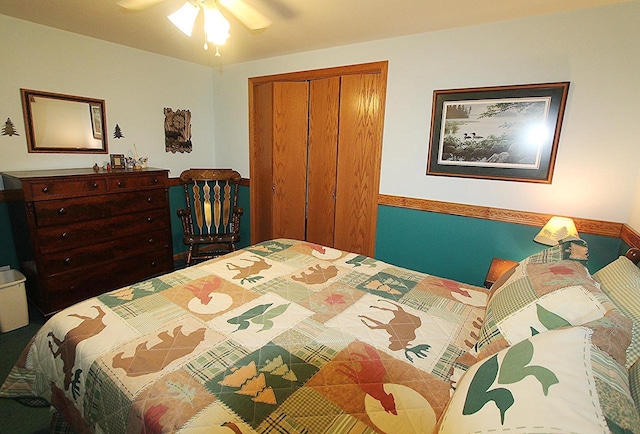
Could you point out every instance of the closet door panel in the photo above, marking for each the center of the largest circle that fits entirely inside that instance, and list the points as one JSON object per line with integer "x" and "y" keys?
{"x": 324, "y": 102}
{"x": 359, "y": 157}
{"x": 262, "y": 163}
{"x": 290, "y": 118}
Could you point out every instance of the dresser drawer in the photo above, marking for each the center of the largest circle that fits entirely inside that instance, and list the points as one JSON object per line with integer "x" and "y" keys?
{"x": 65, "y": 211}
{"x": 138, "y": 181}
{"x": 124, "y": 203}
{"x": 93, "y": 255}
{"x": 68, "y": 288}
{"x": 52, "y": 189}
{"x": 54, "y": 238}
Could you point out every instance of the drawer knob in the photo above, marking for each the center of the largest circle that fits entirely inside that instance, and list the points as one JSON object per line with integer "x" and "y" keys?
{"x": 64, "y": 235}
{"x": 150, "y": 240}
{"x": 62, "y": 211}
{"x": 119, "y": 184}
{"x": 155, "y": 180}
{"x": 67, "y": 261}
{"x": 45, "y": 189}
{"x": 95, "y": 185}
{"x": 149, "y": 200}
{"x": 153, "y": 263}
{"x": 149, "y": 219}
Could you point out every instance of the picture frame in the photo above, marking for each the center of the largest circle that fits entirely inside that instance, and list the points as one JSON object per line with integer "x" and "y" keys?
{"x": 117, "y": 161}
{"x": 96, "y": 120}
{"x": 508, "y": 133}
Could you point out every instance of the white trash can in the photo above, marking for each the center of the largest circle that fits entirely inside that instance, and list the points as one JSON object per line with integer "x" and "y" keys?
{"x": 14, "y": 312}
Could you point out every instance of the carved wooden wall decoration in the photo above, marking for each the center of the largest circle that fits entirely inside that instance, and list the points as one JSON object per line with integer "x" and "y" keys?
{"x": 177, "y": 130}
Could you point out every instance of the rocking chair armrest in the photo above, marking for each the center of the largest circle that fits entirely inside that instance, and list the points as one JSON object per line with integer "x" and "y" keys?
{"x": 185, "y": 220}
{"x": 183, "y": 212}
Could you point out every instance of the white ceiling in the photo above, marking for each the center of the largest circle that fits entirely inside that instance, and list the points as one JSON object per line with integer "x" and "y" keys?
{"x": 298, "y": 25}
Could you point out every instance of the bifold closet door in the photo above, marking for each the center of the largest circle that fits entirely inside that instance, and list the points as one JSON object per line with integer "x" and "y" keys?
{"x": 359, "y": 155}
{"x": 261, "y": 159}
{"x": 315, "y": 151}
{"x": 324, "y": 102}
{"x": 290, "y": 118}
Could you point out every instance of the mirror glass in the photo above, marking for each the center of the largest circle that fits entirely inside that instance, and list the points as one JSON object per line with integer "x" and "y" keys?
{"x": 64, "y": 123}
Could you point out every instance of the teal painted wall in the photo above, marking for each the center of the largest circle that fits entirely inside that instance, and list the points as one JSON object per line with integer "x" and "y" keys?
{"x": 245, "y": 222}
{"x": 461, "y": 248}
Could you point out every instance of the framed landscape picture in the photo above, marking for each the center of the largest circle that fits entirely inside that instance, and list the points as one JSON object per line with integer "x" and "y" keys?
{"x": 503, "y": 132}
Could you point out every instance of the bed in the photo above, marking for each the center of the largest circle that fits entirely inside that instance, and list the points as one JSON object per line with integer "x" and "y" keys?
{"x": 292, "y": 337}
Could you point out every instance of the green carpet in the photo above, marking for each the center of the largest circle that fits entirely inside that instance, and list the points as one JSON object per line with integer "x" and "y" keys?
{"x": 16, "y": 418}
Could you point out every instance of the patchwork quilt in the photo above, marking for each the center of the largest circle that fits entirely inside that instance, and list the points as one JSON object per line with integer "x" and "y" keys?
{"x": 283, "y": 336}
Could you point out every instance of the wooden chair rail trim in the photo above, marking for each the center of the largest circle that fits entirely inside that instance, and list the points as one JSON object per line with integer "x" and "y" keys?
{"x": 629, "y": 236}
{"x": 594, "y": 227}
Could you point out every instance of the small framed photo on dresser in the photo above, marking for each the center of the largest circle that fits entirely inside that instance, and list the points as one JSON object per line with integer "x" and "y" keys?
{"x": 117, "y": 161}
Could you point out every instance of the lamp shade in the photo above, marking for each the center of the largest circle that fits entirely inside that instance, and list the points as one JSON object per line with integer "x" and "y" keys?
{"x": 185, "y": 17}
{"x": 216, "y": 27}
{"x": 556, "y": 229}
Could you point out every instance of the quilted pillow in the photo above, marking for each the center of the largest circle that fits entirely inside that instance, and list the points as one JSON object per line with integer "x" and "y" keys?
{"x": 572, "y": 385}
{"x": 574, "y": 249}
{"x": 539, "y": 297}
{"x": 620, "y": 280}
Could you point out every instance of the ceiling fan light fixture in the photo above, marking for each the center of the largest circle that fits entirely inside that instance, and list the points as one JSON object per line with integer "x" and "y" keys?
{"x": 216, "y": 26}
{"x": 185, "y": 17}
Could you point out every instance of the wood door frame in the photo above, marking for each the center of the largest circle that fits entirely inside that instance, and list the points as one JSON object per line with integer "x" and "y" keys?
{"x": 380, "y": 67}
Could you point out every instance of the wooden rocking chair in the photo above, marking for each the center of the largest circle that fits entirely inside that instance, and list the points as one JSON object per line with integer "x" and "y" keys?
{"x": 211, "y": 220}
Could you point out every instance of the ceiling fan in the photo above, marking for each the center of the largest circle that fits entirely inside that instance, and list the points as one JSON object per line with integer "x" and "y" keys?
{"x": 216, "y": 26}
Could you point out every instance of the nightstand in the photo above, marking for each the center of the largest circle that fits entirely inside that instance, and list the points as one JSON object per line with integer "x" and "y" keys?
{"x": 497, "y": 268}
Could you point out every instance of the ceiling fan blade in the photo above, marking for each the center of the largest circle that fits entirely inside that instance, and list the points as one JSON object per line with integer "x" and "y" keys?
{"x": 246, "y": 14}
{"x": 137, "y": 5}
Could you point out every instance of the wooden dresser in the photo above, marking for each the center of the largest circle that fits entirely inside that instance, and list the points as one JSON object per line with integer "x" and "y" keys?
{"x": 79, "y": 233}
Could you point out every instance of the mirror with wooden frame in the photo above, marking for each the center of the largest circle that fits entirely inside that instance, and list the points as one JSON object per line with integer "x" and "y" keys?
{"x": 58, "y": 123}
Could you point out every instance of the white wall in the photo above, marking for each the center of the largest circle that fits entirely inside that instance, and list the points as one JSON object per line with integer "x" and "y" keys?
{"x": 136, "y": 86}
{"x": 596, "y": 172}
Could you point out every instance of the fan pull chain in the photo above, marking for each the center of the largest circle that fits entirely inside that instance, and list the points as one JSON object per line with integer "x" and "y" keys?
{"x": 206, "y": 47}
